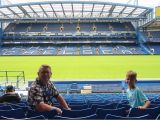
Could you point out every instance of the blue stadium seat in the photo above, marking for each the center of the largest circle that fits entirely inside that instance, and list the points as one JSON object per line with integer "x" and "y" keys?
{"x": 78, "y": 107}
{"x": 77, "y": 113}
{"x": 18, "y": 105}
{"x": 126, "y": 106}
{"x": 153, "y": 112}
{"x": 101, "y": 113}
{"x": 77, "y": 103}
{"x": 109, "y": 116}
{"x": 40, "y": 117}
{"x": 48, "y": 114}
{"x": 91, "y": 117}
{"x": 107, "y": 106}
{"x": 158, "y": 117}
{"x": 5, "y": 107}
{"x": 18, "y": 113}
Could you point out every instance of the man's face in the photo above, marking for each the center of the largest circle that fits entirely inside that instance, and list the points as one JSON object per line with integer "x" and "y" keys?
{"x": 44, "y": 75}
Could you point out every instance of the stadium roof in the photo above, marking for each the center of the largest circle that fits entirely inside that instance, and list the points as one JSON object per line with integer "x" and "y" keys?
{"x": 155, "y": 23}
{"x": 72, "y": 10}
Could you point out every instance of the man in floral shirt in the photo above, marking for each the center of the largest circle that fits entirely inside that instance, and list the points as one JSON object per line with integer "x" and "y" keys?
{"x": 42, "y": 91}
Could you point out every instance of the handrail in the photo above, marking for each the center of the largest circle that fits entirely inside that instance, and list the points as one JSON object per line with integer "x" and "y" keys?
{"x": 19, "y": 75}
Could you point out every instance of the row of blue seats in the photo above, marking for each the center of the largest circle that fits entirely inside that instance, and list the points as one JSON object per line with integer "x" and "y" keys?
{"x": 71, "y": 27}
{"x": 90, "y": 104}
{"x": 100, "y": 113}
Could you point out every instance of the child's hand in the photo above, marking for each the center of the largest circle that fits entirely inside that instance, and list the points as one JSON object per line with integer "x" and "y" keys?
{"x": 141, "y": 107}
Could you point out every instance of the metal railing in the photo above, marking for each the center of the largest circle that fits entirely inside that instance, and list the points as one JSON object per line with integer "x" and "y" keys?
{"x": 12, "y": 77}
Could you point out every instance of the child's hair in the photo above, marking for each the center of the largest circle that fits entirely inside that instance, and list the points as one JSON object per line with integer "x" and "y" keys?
{"x": 10, "y": 88}
{"x": 132, "y": 75}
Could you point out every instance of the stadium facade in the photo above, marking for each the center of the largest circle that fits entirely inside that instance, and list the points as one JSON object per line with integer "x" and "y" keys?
{"x": 78, "y": 28}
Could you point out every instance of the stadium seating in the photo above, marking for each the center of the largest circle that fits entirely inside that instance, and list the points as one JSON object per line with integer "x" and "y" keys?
{"x": 74, "y": 50}
{"x": 107, "y": 38}
{"x": 48, "y": 114}
{"x": 101, "y": 113}
{"x": 40, "y": 117}
{"x": 18, "y": 113}
{"x": 93, "y": 116}
{"x": 5, "y": 107}
{"x": 109, "y": 116}
{"x": 68, "y": 27}
{"x": 85, "y": 106}
{"x": 77, "y": 113}
{"x": 153, "y": 112}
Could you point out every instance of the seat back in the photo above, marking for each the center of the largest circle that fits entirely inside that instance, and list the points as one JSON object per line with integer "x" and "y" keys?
{"x": 101, "y": 113}
{"x": 78, "y": 107}
{"x": 109, "y": 116}
{"x": 77, "y": 113}
{"x": 40, "y": 117}
{"x": 107, "y": 106}
{"x": 48, "y": 114}
{"x": 153, "y": 112}
{"x": 5, "y": 107}
{"x": 16, "y": 113}
{"x": 124, "y": 105}
{"x": 93, "y": 116}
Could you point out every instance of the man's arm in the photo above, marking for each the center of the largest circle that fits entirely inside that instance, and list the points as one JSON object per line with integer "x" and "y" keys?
{"x": 62, "y": 102}
{"x": 41, "y": 107}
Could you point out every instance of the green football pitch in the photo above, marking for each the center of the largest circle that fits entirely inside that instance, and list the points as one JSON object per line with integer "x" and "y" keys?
{"x": 85, "y": 67}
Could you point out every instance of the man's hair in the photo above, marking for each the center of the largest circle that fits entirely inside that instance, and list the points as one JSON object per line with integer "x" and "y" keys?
{"x": 44, "y": 66}
{"x": 132, "y": 75}
{"x": 10, "y": 88}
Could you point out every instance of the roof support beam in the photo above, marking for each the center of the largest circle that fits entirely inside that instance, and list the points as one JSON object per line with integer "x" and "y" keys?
{"x": 63, "y": 10}
{"x": 5, "y": 14}
{"x": 33, "y": 11}
{"x": 131, "y": 13}
{"x": 44, "y": 11}
{"x": 143, "y": 13}
{"x": 24, "y": 11}
{"x": 121, "y": 12}
{"x": 111, "y": 11}
{"x": 92, "y": 10}
{"x": 102, "y": 10}
{"x": 53, "y": 11}
{"x": 82, "y": 9}
{"x": 72, "y": 11}
{"x": 13, "y": 12}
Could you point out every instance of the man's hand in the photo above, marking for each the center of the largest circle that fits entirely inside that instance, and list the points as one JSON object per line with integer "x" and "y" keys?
{"x": 58, "y": 110}
{"x": 68, "y": 108}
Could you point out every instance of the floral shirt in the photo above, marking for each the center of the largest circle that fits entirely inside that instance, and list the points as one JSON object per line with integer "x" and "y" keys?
{"x": 41, "y": 93}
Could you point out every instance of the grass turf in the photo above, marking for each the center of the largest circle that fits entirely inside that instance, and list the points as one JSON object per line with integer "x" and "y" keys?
{"x": 85, "y": 67}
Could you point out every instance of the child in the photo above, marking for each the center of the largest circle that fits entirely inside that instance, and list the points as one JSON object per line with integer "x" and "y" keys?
{"x": 10, "y": 95}
{"x": 134, "y": 94}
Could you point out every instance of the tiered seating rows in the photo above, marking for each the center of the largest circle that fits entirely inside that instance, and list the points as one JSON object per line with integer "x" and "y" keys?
{"x": 89, "y": 106}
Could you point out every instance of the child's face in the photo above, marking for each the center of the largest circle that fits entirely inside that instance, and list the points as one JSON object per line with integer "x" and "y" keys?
{"x": 130, "y": 82}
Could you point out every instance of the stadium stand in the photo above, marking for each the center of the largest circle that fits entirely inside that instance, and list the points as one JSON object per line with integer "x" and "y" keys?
{"x": 82, "y": 28}
{"x": 72, "y": 33}
{"x": 107, "y": 106}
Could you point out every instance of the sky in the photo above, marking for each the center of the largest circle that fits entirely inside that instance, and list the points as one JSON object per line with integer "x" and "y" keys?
{"x": 147, "y": 3}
